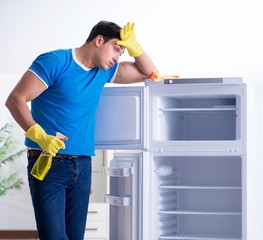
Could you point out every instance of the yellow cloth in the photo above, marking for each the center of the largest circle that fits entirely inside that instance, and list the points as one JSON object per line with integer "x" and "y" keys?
{"x": 157, "y": 76}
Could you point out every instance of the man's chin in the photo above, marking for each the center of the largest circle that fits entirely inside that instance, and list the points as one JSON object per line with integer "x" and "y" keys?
{"x": 105, "y": 67}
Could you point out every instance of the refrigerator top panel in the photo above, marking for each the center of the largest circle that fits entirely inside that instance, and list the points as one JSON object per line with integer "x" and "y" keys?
{"x": 169, "y": 81}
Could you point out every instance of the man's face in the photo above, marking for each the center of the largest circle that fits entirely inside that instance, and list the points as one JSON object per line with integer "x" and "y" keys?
{"x": 108, "y": 53}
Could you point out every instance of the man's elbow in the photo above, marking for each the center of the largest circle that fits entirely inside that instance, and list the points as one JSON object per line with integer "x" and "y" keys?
{"x": 10, "y": 102}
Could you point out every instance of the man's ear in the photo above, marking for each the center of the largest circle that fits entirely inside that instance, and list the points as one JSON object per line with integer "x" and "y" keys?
{"x": 99, "y": 40}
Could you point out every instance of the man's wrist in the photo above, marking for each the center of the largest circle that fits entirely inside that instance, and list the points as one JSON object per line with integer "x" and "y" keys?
{"x": 136, "y": 50}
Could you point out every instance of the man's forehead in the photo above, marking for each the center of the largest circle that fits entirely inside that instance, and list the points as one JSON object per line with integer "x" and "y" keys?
{"x": 120, "y": 46}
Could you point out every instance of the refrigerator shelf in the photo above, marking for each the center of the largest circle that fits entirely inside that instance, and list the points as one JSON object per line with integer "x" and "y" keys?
{"x": 199, "y": 237}
{"x": 200, "y": 187}
{"x": 177, "y": 212}
{"x": 217, "y": 108}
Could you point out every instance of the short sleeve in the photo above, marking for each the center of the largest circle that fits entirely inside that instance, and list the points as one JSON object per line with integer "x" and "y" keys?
{"x": 113, "y": 71}
{"x": 46, "y": 67}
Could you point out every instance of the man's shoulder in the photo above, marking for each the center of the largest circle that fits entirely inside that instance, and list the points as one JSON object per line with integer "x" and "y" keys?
{"x": 59, "y": 56}
{"x": 59, "y": 52}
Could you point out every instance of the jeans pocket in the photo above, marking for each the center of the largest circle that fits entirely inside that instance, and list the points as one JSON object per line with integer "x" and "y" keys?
{"x": 56, "y": 161}
{"x": 31, "y": 161}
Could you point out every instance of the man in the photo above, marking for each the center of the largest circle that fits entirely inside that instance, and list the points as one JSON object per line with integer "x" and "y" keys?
{"x": 64, "y": 87}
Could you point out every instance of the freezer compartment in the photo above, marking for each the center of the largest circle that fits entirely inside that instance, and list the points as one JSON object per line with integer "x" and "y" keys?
{"x": 125, "y": 196}
{"x": 197, "y": 197}
{"x": 199, "y": 118}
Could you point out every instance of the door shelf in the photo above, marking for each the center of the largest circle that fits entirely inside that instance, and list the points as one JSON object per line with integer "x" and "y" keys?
{"x": 125, "y": 196}
{"x": 199, "y": 237}
{"x": 117, "y": 172}
{"x": 119, "y": 201}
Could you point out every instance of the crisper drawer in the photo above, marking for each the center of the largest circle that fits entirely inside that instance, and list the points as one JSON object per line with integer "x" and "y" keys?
{"x": 120, "y": 118}
{"x": 198, "y": 117}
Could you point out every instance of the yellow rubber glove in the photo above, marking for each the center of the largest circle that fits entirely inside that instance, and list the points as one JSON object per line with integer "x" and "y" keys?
{"x": 49, "y": 143}
{"x": 128, "y": 40}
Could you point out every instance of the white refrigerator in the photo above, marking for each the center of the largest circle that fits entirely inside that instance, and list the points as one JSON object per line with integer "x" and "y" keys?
{"x": 181, "y": 173}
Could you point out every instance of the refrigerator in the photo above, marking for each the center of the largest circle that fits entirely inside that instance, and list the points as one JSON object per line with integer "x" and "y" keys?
{"x": 179, "y": 171}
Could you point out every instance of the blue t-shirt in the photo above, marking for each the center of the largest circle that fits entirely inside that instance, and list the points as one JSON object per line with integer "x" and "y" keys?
{"x": 69, "y": 103}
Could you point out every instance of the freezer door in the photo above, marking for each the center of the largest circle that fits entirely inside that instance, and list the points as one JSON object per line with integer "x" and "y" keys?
{"x": 197, "y": 117}
{"x": 125, "y": 197}
{"x": 120, "y": 118}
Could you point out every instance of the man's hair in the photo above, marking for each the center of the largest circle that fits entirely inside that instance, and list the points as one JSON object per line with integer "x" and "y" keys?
{"x": 108, "y": 30}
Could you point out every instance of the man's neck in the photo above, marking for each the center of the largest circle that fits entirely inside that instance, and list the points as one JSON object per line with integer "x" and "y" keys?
{"x": 84, "y": 55}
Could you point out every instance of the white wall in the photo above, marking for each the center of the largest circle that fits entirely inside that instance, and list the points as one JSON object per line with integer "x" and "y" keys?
{"x": 15, "y": 207}
{"x": 190, "y": 38}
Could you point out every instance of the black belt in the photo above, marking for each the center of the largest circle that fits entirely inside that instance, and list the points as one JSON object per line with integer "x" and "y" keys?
{"x": 36, "y": 153}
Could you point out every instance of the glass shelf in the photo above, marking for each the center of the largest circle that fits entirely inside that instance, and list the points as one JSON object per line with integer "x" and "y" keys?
{"x": 200, "y": 187}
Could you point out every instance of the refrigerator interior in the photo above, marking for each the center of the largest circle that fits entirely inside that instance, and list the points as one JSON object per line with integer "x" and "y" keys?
{"x": 200, "y": 118}
{"x": 196, "y": 117}
{"x": 197, "y": 197}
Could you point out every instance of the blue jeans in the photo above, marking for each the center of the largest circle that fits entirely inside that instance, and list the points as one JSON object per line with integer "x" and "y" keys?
{"x": 61, "y": 200}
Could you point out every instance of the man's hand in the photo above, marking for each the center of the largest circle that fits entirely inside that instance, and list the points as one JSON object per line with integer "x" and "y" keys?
{"x": 49, "y": 143}
{"x": 128, "y": 40}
